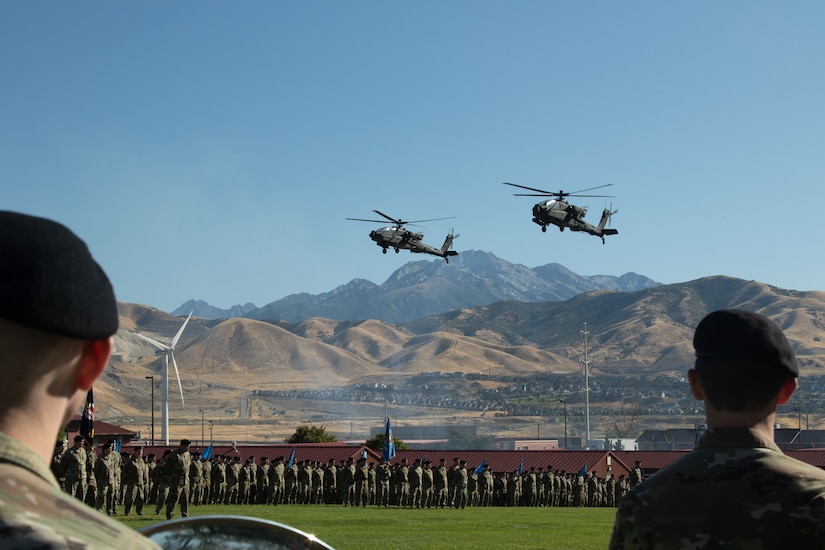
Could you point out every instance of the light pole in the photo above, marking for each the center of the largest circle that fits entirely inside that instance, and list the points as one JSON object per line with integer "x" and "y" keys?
{"x": 565, "y": 421}
{"x": 210, "y": 432}
{"x": 585, "y": 364}
{"x": 152, "y": 384}
{"x": 202, "y": 438}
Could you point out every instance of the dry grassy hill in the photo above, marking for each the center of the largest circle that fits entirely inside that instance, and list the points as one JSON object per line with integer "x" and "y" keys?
{"x": 222, "y": 362}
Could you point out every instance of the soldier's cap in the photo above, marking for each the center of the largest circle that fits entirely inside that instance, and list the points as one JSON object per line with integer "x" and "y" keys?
{"x": 78, "y": 438}
{"x": 237, "y": 458}
{"x": 426, "y": 462}
{"x": 185, "y": 442}
{"x": 50, "y": 282}
{"x": 739, "y": 334}
{"x": 106, "y": 446}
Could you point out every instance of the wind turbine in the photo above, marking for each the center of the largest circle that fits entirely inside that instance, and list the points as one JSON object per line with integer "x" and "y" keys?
{"x": 168, "y": 350}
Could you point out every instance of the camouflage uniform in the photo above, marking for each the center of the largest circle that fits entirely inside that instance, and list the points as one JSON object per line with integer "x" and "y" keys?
{"x": 35, "y": 513}
{"x": 736, "y": 490}
{"x": 73, "y": 467}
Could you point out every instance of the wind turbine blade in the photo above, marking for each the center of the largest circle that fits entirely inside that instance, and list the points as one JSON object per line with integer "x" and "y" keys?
{"x": 153, "y": 342}
{"x": 180, "y": 331}
{"x": 177, "y": 375}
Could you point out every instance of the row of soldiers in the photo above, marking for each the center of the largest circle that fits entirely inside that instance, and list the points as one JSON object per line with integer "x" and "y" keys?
{"x": 133, "y": 481}
{"x": 111, "y": 479}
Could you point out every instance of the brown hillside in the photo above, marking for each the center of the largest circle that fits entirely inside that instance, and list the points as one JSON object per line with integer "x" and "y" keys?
{"x": 257, "y": 355}
{"x": 445, "y": 352}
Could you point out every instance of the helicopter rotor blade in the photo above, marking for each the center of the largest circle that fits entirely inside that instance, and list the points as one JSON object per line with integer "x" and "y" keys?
{"x": 390, "y": 218}
{"x": 541, "y": 191}
{"x": 365, "y": 220}
{"x": 576, "y": 193}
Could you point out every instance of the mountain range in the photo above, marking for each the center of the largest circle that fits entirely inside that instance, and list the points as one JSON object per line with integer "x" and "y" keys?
{"x": 637, "y": 332}
{"x": 423, "y": 288}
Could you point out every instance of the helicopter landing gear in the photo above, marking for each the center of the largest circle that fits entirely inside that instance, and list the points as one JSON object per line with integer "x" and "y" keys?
{"x": 383, "y": 251}
{"x": 544, "y": 229}
{"x": 397, "y": 250}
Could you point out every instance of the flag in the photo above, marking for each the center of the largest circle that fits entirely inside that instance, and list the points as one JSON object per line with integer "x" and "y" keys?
{"x": 583, "y": 471}
{"x": 364, "y": 453}
{"x": 389, "y": 443}
{"x": 291, "y": 458}
{"x": 207, "y": 452}
{"x": 520, "y": 467}
{"x": 116, "y": 445}
{"x": 481, "y": 467}
{"x": 87, "y": 420}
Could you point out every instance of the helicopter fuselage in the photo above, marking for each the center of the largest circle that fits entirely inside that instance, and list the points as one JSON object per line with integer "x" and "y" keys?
{"x": 395, "y": 237}
{"x": 563, "y": 214}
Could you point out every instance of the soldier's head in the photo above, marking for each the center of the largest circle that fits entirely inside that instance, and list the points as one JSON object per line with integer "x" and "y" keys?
{"x": 78, "y": 441}
{"x": 58, "y": 314}
{"x": 184, "y": 445}
{"x": 743, "y": 363}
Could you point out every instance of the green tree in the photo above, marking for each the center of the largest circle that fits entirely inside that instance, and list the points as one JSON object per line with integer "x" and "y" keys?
{"x": 377, "y": 443}
{"x": 457, "y": 439}
{"x": 311, "y": 434}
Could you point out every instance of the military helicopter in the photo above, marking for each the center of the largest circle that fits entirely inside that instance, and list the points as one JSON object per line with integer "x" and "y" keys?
{"x": 396, "y": 236}
{"x": 561, "y": 213}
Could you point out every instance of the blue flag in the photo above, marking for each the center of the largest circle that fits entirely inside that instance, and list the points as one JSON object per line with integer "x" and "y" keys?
{"x": 207, "y": 452}
{"x": 364, "y": 453}
{"x": 291, "y": 458}
{"x": 389, "y": 443}
{"x": 481, "y": 467}
{"x": 117, "y": 445}
{"x": 520, "y": 467}
{"x": 583, "y": 471}
{"x": 87, "y": 421}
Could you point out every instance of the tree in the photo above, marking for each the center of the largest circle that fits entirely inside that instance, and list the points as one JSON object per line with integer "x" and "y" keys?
{"x": 377, "y": 443}
{"x": 457, "y": 439}
{"x": 311, "y": 434}
{"x": 623, "y": 423}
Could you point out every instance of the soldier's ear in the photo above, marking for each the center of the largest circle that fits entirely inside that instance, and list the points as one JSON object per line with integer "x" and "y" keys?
{"x": 695, "y": 385}
{"x": 93, "y": 361}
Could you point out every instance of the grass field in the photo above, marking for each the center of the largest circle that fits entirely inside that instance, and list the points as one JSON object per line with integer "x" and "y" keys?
{"x": 432, "y": 529}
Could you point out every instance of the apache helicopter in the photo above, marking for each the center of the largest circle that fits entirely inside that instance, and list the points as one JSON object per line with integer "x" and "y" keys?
{"x": 396, "y": 236}
{"x": 562, "y": 214}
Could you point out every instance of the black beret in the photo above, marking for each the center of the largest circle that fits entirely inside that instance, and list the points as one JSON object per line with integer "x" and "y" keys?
{"x": 50, "y": 282}
{"x": 185, "y": 442}
{"x": 739, "y": 334}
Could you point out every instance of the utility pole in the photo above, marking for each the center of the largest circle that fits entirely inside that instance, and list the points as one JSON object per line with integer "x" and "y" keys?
{"x": 152, "y": 384}
{"x": 565, "y": 421}
{"x": 585, "y": 364}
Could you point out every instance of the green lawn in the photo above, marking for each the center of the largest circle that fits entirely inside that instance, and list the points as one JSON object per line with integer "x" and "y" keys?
{"x": 433, "y": 529}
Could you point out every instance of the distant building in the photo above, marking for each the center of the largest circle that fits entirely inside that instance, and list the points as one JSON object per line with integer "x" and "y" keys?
{"x": 411, "y": 433}
{"x": 103, "y": 432}
{"x": 686, "y": 439}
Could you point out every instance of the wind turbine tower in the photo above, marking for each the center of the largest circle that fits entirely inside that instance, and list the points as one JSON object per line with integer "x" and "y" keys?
{"x": 168, "y": 350}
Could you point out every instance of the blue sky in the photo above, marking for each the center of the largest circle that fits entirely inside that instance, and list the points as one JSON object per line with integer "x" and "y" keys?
{"x": 212, "y": 150}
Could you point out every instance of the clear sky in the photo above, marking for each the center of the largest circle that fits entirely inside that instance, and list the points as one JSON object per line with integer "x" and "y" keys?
{"x": 212, "y": 150}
